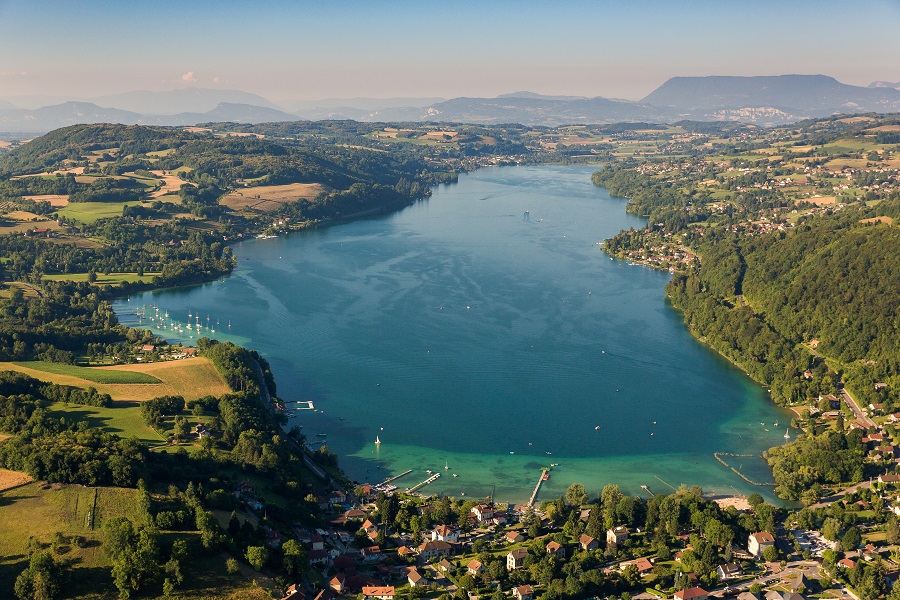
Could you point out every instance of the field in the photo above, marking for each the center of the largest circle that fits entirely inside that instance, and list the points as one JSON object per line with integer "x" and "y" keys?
{"x": 111, "y": 279}
{"x": 89, "y": 212}
{"x": 885, "y": 220}
{"x": 122, "y": 418}
{"x": 11, "y": 479}
{"x": 97, "y": 375}
{"x": 55, "y": 200}
{"x": 171, "y": 184}
{"x": 191, "y": 378}
{"x": 266, "y": 198}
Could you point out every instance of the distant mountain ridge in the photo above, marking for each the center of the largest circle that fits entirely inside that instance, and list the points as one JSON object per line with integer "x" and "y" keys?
{"x": 764, "y": 100}
{"x": 794, "y": 92}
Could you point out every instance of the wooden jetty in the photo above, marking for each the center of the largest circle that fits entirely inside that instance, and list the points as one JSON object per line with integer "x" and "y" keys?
{"x": 537, "y": 488}
{"x": 674, "y": 489}
{"x": 647, "y": 489}
{"x": 390, "y": 479}
{"x": 424, "y": 483}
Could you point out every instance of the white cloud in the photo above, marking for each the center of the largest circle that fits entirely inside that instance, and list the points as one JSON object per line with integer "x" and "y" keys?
{"x": 189, "y": 78}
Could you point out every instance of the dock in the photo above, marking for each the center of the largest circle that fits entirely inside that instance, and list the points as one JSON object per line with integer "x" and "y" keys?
{"x": 394, "y": 478}
{"x": 647, "y": 489}
{"x": 537, "y": 488}
{"x": 424, "y": 483}
{"x": 674, "y": 489}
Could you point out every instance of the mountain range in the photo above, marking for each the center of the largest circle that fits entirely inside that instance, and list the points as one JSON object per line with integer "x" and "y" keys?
{"x": 766, "y": 101}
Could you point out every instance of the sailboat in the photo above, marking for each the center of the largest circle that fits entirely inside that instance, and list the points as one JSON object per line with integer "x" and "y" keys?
{"x": 377, "y": 441}
{"x": 787, "y": 434}
{"x": 446, "y": 466}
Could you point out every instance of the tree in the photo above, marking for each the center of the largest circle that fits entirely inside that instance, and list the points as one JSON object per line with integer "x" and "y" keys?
{"x": 893, "y": 530}
{"x": 295, "y": 562}
{"x": 770, "y": 553}
{"x": 41, "y": 580}
{"x": 575, "y": 495}
{"x": 851, "y": 539}
{"x": 831, "y": 528}
{"x": 257, "y": 556}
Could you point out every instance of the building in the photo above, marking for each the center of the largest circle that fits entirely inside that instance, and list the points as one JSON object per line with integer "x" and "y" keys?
{"x": 514, "y": 537}
{"x": 694, "y": 593}
{"x": 643, "y": 565}
{"x": 415, "y": 578}
{"x": 483, "y": 513}
{"x": 523, "y": 592}
{"x": 445, "y": 533}
{"x": 516, "y": 558}
{"x": 556, "y": 549}
{"x": 429, "y": 550}
{"x": 616, "y": 536}
{"x": 338, "y": 583}
{"x": 587, "y": 542}
{"x": 474, "y": 567}
{"x": 384, "y": 592}
{"x": 728, "y": 571}
{"x": 446, "y": 566}
{"x": 758, "y": 542}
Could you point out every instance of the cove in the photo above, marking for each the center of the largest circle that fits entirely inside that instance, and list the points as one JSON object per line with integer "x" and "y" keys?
{"x": 484, "y": 330}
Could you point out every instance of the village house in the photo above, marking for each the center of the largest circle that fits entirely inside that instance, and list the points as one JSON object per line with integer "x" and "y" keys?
{"x": 294, "y": 593}
{"x": 385, "y": 592}
{"x": 405, "y": 551}
{"x": 643, "y": 565}
{"x": 514, "y": 537}
{"x": 433, "y": 549}
{"x": 758, "y": 542}
{"x": 317, "y": 542}
{"x": 616, "y": 536}
{"x": 445, "y": 533}
{"x": 556, "y": 549}
{"x": 317, "y": 557}
{"x": 446, "y": 566}
{"x": 847, "y": 563}
{"x": 728, "y": 571}
{"x": 587, "y": 542}
{"x": 415, "y": 578}
{"x": 516, "y": 558}
{"x": 694, "y": 593}
{"x": 523, "y": 592}
{"x": 474, "y": 567}
{"x": 889, "y": 478}
{"x": 338, "y": 583}
{"x": 483, "y": 512}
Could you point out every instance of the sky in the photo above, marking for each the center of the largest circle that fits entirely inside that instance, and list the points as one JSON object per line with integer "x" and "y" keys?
{"x": 301, "y": 49}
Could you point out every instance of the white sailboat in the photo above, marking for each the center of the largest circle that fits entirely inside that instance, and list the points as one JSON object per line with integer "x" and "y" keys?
{"x": 377, "y": 441}
{"x": 787, "y": 434}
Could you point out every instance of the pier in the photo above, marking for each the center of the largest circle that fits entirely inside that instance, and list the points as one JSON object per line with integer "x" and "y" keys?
{"x": 537, "y": 488}
{"x": 394, "y": 478}
{"x": 424, "y": 483}
{"x": 674, "y": 489}
{"x": 647, "y": 489}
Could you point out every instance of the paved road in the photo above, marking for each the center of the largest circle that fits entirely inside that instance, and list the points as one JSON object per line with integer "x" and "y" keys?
{"x": 857, "y": 411}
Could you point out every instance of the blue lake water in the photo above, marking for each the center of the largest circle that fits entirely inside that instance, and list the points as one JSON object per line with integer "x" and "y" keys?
{"x": 465, "y": 333}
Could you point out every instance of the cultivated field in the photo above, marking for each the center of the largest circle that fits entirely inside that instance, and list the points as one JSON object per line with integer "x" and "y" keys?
{"x": 885, "y": 220}
{"x": 111, "y": 279}
{"x": 171, "y": 183}
{"x": 55, "y": 200}
{"x": 266, "y": 198}
{"x": 89, "y": 212}
{"x": 10, "y": 479}
{"x": 97, "y": 375}
{"x": 191, "y": 378}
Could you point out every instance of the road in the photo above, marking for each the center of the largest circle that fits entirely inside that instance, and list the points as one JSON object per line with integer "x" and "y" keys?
{"x": 857, "y": 411}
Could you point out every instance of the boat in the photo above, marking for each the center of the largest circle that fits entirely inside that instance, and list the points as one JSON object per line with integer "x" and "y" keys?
{"x": 787, "y": 434}
{"x": 377, "y": 441}
{"x": 322, "y": 435}
{"x": 455, "y": 475}
{"x": 446, "y": 466}
{"x": 597, "y": 428}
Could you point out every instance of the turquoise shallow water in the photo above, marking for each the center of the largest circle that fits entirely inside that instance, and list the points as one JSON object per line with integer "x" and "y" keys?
{"x": 466, "y": 333}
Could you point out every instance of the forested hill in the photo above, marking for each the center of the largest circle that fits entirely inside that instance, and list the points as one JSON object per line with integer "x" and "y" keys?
{"x": 761, "y": 300}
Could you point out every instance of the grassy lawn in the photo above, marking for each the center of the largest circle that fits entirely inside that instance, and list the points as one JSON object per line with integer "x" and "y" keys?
{"x": 89, "y": 212}
{"x": 111, "y": 279}
{"x": 91, "y": 374}
{"x": 122, "y": 419}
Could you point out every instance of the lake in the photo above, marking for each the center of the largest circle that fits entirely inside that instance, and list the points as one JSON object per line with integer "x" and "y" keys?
{"x": 483, "y": 332}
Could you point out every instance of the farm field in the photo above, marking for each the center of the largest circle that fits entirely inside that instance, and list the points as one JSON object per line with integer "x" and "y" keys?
{"x": 55, "y": 200}
{"x": 90, "y": 212}
{"x": 11, "y": 479}
{"x": 267, "y": 198}
{"x": 95, "y": 374}
{"x": 111, "y": 279}
{"x": 191, "y": 378}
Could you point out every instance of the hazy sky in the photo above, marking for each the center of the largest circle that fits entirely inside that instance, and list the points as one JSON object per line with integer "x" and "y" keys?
{"x": 333, "y": 48}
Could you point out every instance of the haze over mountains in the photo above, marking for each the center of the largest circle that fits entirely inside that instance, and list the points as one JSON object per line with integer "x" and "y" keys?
{"x": 760, "y": 100}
